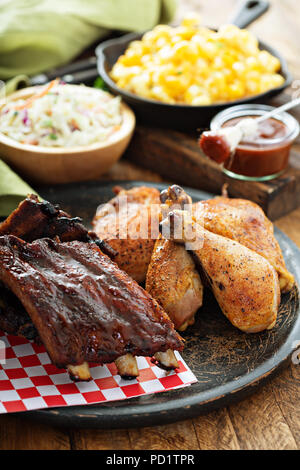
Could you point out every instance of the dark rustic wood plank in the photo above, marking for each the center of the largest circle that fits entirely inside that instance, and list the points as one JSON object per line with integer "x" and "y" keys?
{"x": 260, "y": 424}
{"x": 177, "y": 157}
{"x": 17, "y": 433}
{"x": 286, "y": 389}
{"x": 290, "y": 224}
{"x": 97, "y": 439}
{"x": 215, "y": 431}
{"x": 125, "y": 170}
{"x": 177, "y": 436}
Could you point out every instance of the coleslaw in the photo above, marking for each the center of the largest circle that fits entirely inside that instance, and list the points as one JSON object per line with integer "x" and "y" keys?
{"x": 61, "y": 115}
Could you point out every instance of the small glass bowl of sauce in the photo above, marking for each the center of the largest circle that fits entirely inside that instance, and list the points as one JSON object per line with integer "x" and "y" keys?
{"x": 264, "y": 156}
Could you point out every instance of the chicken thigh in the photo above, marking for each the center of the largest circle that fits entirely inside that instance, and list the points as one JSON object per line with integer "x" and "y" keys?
{"x": 129, "y": 223}
{"x": 245, "y": 222}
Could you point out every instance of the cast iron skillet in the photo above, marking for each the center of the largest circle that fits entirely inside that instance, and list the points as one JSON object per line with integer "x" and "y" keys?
{"x": 184, "y": 116}
{"x": 229, "y": 364}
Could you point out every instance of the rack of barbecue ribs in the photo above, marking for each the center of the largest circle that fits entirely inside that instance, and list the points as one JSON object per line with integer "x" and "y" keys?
{"x": 83, "y": 306}
{"x": 80, "y": 304}
{"x": 30, "y": 221}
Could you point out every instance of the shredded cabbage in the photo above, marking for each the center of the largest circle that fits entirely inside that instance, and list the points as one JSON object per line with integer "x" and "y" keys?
{"x": 63, "y": 117}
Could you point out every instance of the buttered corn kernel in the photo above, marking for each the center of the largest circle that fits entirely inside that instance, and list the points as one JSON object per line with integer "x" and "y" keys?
{"x": 190, "y": 64}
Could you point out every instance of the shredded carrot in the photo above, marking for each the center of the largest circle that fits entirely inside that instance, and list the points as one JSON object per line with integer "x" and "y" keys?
{"x": 74, "y": 124}
{"x": 42, "y": 93}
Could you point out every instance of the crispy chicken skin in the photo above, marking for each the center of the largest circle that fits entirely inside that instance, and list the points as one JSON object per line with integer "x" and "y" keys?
{"x": 245, "y": 222}
{"x": 134, "y": 251}
{"x": 83, "y": 306}
{"x": 244, "y": 283}
{"x": 172, "y": 279}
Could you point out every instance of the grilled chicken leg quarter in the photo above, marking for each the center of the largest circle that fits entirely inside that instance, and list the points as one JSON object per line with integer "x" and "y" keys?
{"x": 245, "y": 222}
{"x": 172, "y": 278}
{"x": 244, "y": 283}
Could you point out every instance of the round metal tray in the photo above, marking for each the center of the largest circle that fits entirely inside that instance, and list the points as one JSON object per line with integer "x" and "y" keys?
{"x": 228, "y": 364}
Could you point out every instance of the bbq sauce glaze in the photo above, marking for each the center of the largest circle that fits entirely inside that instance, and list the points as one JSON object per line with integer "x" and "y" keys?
{"x": 260, "y": 155}
{"x": 82, "y": 305}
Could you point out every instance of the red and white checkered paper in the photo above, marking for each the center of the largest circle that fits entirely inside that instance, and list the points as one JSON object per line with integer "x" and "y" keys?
{"x": 28, "y": 380}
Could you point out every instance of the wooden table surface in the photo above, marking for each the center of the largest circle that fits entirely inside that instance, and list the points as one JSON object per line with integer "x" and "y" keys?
{"x": 269, "y": 419}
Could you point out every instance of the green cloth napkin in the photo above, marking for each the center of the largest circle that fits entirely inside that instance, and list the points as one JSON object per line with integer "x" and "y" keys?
{"x": 12, "y": 190}
{"x": 37, "y": 35}
{"x": 20, "y": 81}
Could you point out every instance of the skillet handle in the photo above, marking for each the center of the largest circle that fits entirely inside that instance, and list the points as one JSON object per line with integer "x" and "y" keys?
{"x": 248, "y": 11}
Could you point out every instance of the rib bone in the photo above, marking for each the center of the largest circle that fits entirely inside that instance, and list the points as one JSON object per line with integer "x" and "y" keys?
{"x": 81, "y": 372}
{"x": 127, "y": 366}
{"x": 167, "y": 360}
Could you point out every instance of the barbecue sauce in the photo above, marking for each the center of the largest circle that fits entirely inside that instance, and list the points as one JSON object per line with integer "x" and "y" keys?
{"x": 261, "y": 155}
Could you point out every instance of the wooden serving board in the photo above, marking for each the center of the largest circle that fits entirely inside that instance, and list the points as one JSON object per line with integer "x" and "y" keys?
{"x": 177, "y": 157}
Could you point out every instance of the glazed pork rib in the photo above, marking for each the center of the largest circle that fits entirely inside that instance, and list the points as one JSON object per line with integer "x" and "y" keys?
{"x": 14, "y": 319}
{"x": 34, "y": 219}
{"x": 30, "y": 221}
{"x": 83, "y": 306}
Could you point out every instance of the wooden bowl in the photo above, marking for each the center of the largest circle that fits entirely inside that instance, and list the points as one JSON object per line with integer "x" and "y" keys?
{"x": 64, "y": 165}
